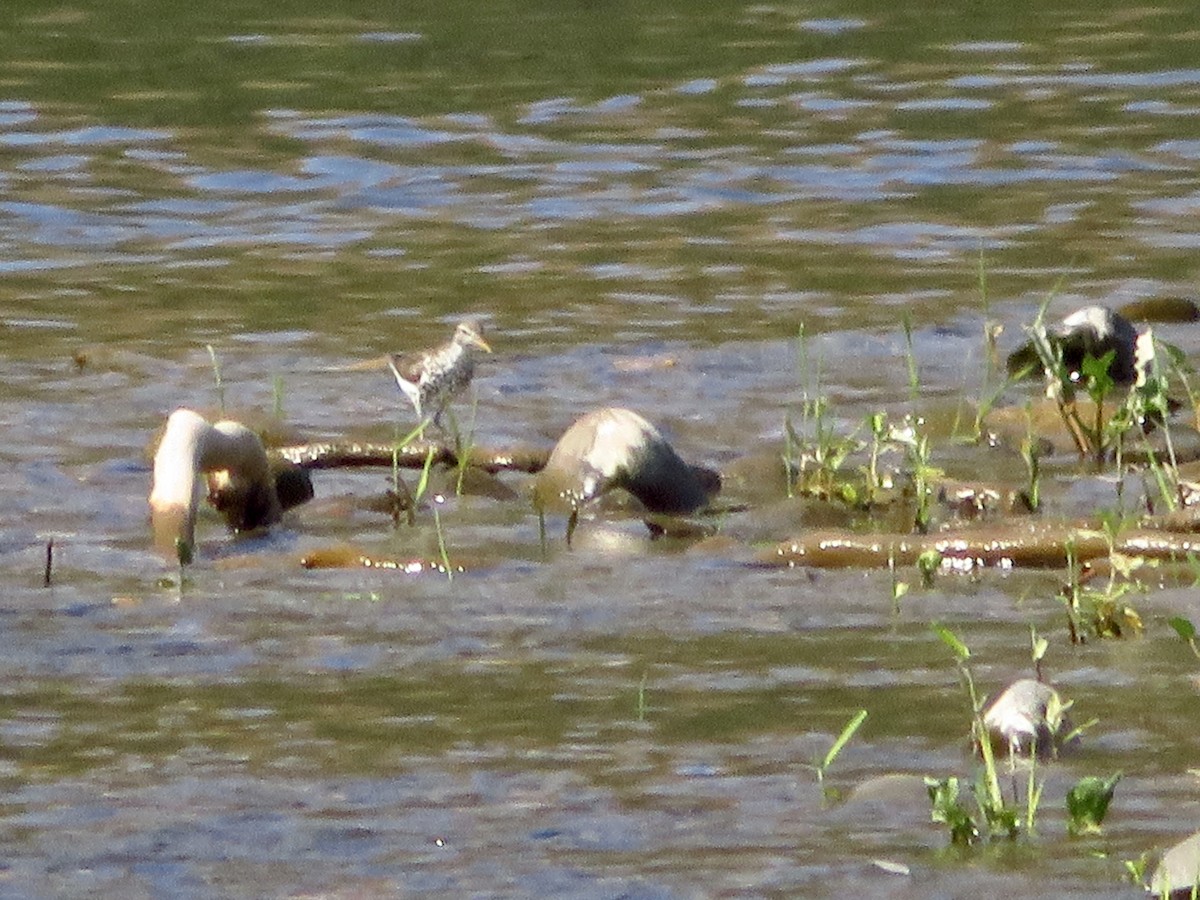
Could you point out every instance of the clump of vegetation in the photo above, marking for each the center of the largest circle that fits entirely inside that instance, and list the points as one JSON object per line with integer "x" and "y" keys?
{"x": 824, "y": 463}
{"x": 992, "y": 817}
{"x": 1102, "y": 611}
{"x": 1087, "y": 803}
{"x": 977, "y": 811}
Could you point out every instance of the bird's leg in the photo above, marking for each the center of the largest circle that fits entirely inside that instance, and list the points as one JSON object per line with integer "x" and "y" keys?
{"x": 572, "y": 521}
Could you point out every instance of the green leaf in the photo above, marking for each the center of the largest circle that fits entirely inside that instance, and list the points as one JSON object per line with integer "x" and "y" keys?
{"x": 844, "y": 737}
{"x": 1040, "y": 645}
{"x": 1095, "y": 370}
{"x": 947, "y": 808}
{"x": 950, "y": 639}
{"x": 423, "y": 481}
{"x": 1183, "y": 627}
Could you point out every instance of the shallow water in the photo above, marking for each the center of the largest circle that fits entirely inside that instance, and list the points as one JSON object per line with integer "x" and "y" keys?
{"x": 648, "y": 206}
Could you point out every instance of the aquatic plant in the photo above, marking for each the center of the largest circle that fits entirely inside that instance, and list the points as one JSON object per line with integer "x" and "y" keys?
{"x": 1087, "y": 803}
{"x": 400, "y": 498}
{"x": 997, "y": 818}
{"x": 1183, "y": 627}
{"x": 216, "y": 367}
{"x": 441, "y": 541}
{"x": 929, "y": 563}
{"x": 1031, "y": 455}
{"x": 878, "y": 426}
{"x": 277, "y": 396}
{"x": 1102, "y": 611}
{"x": 835, "y": 750}
{"x": 814, "y": 453}
{"x": 899, "y": 588}
{"x": 418, "y": 496}
{"x": 1038, "y": 646}
{"x": 915, "y": 442}
{"x": 815, "y": 464}
{"x": 463, "y": 448}
{"x": 989, "y": 390}
{"x": 910, "y": 359}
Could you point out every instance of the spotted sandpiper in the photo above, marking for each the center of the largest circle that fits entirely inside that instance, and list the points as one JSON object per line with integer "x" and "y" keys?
{"x": 431, "y": 378}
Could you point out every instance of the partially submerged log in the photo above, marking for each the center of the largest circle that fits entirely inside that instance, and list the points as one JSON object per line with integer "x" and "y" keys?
{"x": 1023, "y": 544}
{"x": 413, "y": 455}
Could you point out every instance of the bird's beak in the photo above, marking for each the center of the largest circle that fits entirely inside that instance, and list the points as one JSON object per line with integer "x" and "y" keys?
{"x": 481, "y": 343}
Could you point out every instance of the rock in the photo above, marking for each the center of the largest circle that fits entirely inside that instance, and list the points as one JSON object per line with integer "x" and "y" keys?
{"x": 891, "y": 800}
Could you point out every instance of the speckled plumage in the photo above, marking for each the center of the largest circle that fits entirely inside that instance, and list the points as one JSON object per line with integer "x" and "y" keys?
{"x": 432, "y": 378}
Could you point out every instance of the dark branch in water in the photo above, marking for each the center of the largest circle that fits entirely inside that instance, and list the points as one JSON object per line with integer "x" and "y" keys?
{"x": 349, "y": 455}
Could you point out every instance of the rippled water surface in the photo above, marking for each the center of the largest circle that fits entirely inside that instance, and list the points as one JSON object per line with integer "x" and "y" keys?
{"x": 648, "y": 203}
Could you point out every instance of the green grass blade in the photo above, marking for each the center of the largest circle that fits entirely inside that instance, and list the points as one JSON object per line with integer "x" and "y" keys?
{"x": 843, "y": 738}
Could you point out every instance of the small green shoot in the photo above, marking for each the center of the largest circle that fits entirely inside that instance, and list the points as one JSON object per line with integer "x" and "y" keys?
{"x": 1186, "y": 631}
{"x": 277, "y": 397}
{"x": 1031, "y": 455}
{"x": 1102, "y": 612}
{"x": 929, "y": 563}
{"x": 423, "y": 481}
{"x": 910, "y": 358}
{"x": 1138, "y": 869}
{"x": 899, "y": 588}
{"x": 842, "y": 739}
{"x": 1038, "y": 646}
{"x": 790, "y": 444}
{"x": 912, "y": 437}
{"x": 216, "y": 367}
{"x": 878, "y": 425}
{"x": 441, "y": 542}
{"x": 1033, "y": 795}
{"x": 418, "y": 496}
{"x": 402, "y": 499}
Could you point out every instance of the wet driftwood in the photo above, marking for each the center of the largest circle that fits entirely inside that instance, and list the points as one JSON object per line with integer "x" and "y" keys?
{"x": 1005, "y": 544}
{"x": 351, "y": 454}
